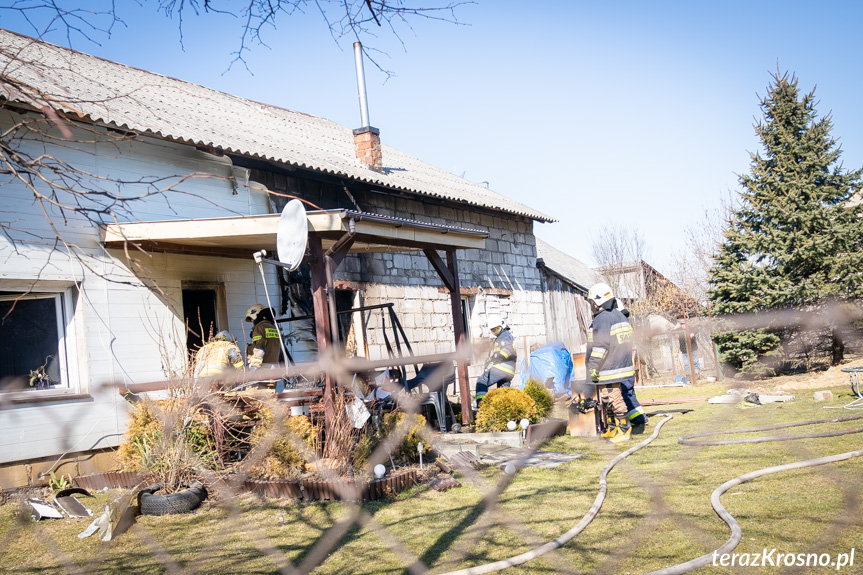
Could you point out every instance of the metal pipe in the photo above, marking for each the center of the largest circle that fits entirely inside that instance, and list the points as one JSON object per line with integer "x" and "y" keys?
{"x": 361, "y": 84}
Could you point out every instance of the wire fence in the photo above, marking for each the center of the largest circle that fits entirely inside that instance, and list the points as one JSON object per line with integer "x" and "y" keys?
{"x": 671, "y": 502}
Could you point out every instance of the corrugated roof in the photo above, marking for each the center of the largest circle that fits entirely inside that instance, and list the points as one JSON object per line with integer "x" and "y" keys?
{"x": 566, "y": 266}
{"x": 136, "y": 100}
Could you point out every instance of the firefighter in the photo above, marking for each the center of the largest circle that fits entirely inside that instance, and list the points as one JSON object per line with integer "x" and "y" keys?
{"x": 500, "y": 367}
{"x": 609, "y": 360}
{"x": 218, "y": 355}
{"x": 635, "y": 413}
{"x": 265, "y": 349}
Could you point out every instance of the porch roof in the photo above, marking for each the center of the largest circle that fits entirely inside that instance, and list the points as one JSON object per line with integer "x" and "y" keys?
{"x": 242, "y": 235}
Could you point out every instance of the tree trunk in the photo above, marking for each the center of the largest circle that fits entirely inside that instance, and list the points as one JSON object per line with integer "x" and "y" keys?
{"x": 837, "y": 347}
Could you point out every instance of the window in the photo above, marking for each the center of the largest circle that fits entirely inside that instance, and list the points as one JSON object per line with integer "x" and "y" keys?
{"x": 35, "y": 341}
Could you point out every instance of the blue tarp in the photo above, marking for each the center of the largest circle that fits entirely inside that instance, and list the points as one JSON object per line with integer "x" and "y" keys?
{"x": 552, "y": 360}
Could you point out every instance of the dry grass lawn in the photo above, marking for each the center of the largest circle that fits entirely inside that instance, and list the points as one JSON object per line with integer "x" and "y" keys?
{"x": 657, "y": 512}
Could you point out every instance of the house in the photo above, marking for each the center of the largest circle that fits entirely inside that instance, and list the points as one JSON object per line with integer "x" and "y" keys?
{"x": 133, "y": 204}
{"x": 565, "y": 283}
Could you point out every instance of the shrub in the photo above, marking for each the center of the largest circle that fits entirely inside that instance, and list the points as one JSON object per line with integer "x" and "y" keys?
{"x": 286, "y": 457}
{"x": 416, "y": 433}
{"x": 143, "y": 429}
{"x": 503, "y": 405}
{"x": 542, "y": 397}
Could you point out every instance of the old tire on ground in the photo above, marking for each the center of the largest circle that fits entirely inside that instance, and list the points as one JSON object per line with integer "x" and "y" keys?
{"x": 181, "y": 502}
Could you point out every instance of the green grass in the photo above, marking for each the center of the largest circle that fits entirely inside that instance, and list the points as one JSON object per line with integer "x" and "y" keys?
{"x": 657, "y": 512}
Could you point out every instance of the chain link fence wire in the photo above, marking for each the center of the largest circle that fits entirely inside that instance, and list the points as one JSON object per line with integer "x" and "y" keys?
{"x": 643, "y": 510}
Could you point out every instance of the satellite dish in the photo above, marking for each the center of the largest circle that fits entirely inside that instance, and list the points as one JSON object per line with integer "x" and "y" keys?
{"x": 292, "y": 235}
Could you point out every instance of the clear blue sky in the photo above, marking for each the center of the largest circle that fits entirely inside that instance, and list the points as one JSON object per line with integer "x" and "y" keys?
{"x": 640, "y": 112}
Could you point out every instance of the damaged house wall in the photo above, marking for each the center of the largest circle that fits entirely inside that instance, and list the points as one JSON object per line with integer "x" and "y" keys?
{"x": 156, "y": 148}
{"x": 502, "y": 278}
{"x": 122, "y": 312}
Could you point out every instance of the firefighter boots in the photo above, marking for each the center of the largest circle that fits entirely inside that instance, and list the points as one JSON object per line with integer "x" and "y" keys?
{"x": 622, "y": 430}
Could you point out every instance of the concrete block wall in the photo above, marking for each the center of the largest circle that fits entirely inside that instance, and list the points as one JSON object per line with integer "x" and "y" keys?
{"x": 504, "y": 271}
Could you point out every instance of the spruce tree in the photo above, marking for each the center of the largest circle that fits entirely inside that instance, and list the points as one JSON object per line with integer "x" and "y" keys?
{"x": 793, "y": 241}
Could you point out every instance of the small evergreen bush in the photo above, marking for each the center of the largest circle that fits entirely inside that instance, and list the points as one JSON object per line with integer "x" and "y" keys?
{"x": 285, "y": 458}
{"x": 503, "y": 405}
{"x": 542, "y": 397}
{"x": 415, "y": 434}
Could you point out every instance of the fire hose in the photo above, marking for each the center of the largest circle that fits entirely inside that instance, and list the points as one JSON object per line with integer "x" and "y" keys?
{"x": 578, "y": 528}
{"x": 736, "y": 531}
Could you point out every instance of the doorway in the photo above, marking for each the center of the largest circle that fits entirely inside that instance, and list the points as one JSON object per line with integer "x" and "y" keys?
{"x": 199, "y": 315}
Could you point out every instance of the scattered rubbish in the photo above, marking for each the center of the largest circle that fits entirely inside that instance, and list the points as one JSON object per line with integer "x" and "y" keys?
{"x": 749, "y": 396}
{"x": 71, "y": 505}
{"x": 117, "y": 517}
{"x": 181, "y": 502}
{"x": 43, "y": 509}
{"x": 551, "y": 363}
{"x": 525, "y": 458}
{"x": 444, "y": 484}
{"x": 775, "y": 398}
{"x": 726, "y": 398}
{"x": 464, "y": 460}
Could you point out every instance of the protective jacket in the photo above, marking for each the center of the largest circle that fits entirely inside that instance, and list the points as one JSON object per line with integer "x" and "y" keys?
{"x": 216, "y": 357}
{"x": 265, "y": 347}
{"x": 609, "y": 347}
{"x": 503, "y": 354}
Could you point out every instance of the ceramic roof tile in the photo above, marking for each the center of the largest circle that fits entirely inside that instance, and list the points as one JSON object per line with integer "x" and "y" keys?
{"x": 128, "y": 98}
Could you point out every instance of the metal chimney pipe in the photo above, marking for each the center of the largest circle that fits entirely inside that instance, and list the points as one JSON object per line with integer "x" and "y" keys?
{"x": 361, "y": 84}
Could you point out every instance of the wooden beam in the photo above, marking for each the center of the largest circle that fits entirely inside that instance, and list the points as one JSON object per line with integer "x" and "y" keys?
{"x": 322, "y": 320}
{"x": 441, "y": 269}
{"x": 459, "y": 334}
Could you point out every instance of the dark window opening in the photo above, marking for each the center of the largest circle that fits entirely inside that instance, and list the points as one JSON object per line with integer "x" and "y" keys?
{"x": 30, "y": 339}
{"x": 344, "y": 302}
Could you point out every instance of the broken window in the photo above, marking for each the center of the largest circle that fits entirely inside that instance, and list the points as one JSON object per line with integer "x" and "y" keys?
{"x": 33, "y": 341}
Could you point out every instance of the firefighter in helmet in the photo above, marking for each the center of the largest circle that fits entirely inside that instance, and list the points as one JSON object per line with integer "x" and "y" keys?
{"x": 500, "y": 367}
{"x": 609, "y": 360}
{"x": 265, "y": 349}
{"x": 218, "y": 355}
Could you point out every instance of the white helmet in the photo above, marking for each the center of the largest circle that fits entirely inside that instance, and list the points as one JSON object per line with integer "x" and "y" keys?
{"x": 600, "y": 293}
{"x": 494, "y": 321}
{"x": 225, "y": 335}
{"x": 252, "y": 312}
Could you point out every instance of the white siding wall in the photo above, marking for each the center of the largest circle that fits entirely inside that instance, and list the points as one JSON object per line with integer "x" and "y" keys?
{"x": 124, "y": 311}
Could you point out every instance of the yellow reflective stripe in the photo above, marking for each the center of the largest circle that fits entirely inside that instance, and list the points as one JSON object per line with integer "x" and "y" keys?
{"x": 621, "y": 328}
{"x": 257, "y": 338}
{"x": 598, "y": 352}
{"x": 504, "y": 354}
{"x": 238, "y": 364}
{"x": 211, "y": 370}
{"x": 504, "y": 367}
{"x": 616, "y": 375}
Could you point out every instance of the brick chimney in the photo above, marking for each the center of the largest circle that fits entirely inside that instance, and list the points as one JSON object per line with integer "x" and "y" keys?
{"x": 367, "y": 142}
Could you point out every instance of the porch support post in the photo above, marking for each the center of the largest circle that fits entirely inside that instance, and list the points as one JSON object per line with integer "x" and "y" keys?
{"x": 448, "y": 273}
{"x": 322, "y": 319}
{"x": 458, "y": 331}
